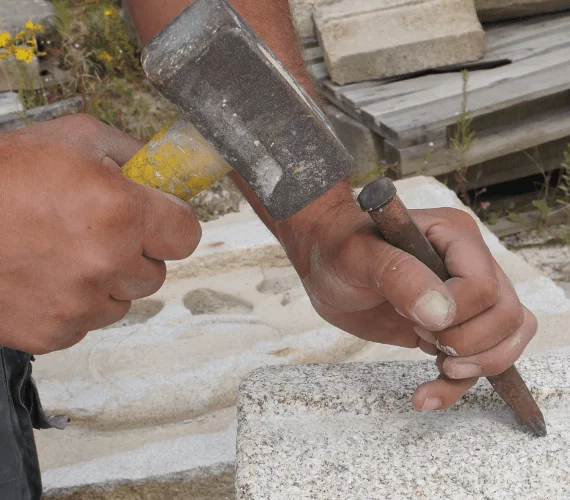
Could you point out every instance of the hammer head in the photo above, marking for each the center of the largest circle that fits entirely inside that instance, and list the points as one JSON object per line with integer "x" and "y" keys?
{"x": 223, "y": 78}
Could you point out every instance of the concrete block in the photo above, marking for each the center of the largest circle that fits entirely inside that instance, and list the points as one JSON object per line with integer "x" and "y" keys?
{"x": 10, "y": 103}
{"x": 366, "y": 147}
{"x": 350, "y": 432}
{"x": 302, "y": 13}
{"x": 167, "y": 376}
{"x": 15, "y": 75}
{"x": 15, "y": 121}
{"x": 370, "y": 39}
{"x": 495, "y": 10}
{"x": 15, "y": 14}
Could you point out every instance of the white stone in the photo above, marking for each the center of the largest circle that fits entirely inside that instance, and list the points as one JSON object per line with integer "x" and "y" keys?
{"x": 366, "y": 147}
{"x": 10, "y": 103}
{"x": 350, "y": 432}
{"x": 165, "y": 376}
{"x": 494, "y": 10}
{"x": 15, "y": 14}
{"x": 302, "y": 13}
{"x": 370, "y": 39}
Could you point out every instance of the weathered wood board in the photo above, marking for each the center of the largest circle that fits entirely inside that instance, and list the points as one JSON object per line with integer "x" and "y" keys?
{"x": 518, "y": 98}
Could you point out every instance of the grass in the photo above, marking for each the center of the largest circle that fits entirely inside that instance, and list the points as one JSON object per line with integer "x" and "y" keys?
{"x": 101, "y": 62}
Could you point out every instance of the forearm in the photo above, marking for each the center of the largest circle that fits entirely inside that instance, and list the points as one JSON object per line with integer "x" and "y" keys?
{"x": 271, "y": 19}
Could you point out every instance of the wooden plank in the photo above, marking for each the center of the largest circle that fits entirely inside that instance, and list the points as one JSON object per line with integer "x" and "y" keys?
{"x": 537, "y": 39}
{"x": 313, "y": 54}
{"x": 452, "y": 84}
{"x": 319, "y": 71}
{"x": 41, "y": 114}
{"x": 529, "y": 79}
{"x": 504, "y": 36}
{"x": 384, "y": 90}
{"x": 529, "y": 221}
{"x": 540, "y": 160}
{"x": 493, "y": 143}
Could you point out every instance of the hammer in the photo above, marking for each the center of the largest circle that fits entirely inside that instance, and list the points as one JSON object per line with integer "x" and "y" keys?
{"x": 241, "y": 109}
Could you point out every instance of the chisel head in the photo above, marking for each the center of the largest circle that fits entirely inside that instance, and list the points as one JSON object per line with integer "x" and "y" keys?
{"x": 224, "y": 79}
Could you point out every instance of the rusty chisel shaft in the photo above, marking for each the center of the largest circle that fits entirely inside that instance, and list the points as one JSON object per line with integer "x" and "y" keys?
{"x": 399, "y": 229}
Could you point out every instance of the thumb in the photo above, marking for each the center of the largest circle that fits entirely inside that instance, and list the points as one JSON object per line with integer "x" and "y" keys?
{"x": 96, "y": 139}
{"x": 410, "y": 286}
{"x": 116, "y": 144}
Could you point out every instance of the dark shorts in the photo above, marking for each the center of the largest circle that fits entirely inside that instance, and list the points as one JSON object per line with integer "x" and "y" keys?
{"x": 20, "y": 413}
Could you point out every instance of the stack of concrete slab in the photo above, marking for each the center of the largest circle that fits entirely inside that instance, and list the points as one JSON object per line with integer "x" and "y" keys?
{"x": 370, "y": 39}
{"x": 152, "y": 400}
{"x": 515, "y": 98}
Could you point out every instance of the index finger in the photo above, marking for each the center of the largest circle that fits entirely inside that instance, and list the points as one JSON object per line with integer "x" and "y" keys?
{"x": 455, "y": 236}
{"x": 170, "y": 228}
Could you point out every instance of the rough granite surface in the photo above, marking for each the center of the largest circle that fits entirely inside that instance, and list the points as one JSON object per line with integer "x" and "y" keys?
{"x": 350, "y": 432}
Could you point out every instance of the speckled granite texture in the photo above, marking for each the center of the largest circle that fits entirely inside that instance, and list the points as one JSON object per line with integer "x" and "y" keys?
{"x": 349, "y": 432}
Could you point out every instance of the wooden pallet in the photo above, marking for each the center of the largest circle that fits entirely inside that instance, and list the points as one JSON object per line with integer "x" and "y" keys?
{"x": 518, "y": 98}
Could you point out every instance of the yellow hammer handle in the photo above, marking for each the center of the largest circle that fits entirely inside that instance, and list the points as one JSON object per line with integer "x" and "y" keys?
{"x": 177, "y": 161}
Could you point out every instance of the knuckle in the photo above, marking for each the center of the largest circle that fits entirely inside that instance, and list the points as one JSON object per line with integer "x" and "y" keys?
{"x": 191, "y": 234}
{"x": 514, "y": 317}
{"x": 158, "y": 279}
{"x": 79, "y": 126}
{"x": 488, "y": 291}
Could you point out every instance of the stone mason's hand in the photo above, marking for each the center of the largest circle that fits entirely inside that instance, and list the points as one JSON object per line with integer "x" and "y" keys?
{"x": 78, "y": 241}
{"x": 366, "y": 287}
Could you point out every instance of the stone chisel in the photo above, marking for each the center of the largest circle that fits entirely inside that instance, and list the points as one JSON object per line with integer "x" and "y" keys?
{"x": 380, "y": 200}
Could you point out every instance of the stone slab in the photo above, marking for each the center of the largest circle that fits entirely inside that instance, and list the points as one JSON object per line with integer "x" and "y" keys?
{"x": 171, "y": 369}
{"x": 495, "y": 10}
{"x": 367, "y": 39}
{"x": 366, "y": 147}
{"x": 10, "y": 103}
{"x": 15, "y": 13}
{"x": 350, "y": 432}
{"x": 15, "y": 75}
{"x": 16, "y": 121}
{"x": 302, "y": 13}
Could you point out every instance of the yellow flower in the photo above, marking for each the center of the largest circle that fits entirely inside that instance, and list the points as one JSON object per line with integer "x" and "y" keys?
{"x": 5, "y": 40}
{"x": 34, "y": 27}
{"x": 111, "y": 12}
{"x": 105, "y": 57}
{"x": 24, "y": 54}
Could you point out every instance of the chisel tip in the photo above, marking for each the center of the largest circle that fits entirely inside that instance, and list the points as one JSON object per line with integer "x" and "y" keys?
{"x": 537, "y": 425}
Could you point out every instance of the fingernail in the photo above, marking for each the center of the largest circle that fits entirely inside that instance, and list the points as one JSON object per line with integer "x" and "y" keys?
{"x": 450, "y": 351}
{"x": 434, "y": 311}
{"x": 432, "y": 404}
{"x": 425, "y": 334}
{"x": 464, "y": 370}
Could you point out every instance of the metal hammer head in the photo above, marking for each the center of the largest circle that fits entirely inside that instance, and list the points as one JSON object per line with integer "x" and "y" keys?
{"x": 224, "y": 79}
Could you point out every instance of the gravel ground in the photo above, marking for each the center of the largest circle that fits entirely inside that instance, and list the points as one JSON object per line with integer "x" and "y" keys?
{"x": 537, "y": 249}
